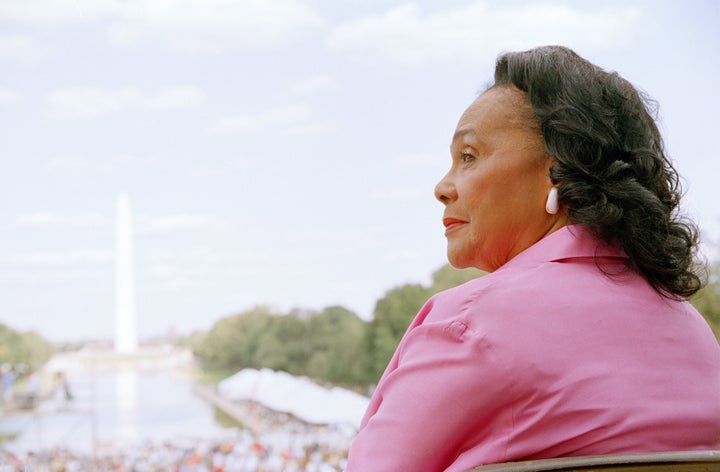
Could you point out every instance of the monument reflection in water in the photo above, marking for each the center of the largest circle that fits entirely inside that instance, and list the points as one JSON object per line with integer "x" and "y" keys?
{"x": 126, "y": 402}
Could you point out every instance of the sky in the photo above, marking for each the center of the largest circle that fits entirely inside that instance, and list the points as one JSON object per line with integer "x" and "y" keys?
{"x": 281, "y": 153}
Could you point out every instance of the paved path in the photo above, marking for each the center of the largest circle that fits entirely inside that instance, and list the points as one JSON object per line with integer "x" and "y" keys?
{"x": 238, "y": 412}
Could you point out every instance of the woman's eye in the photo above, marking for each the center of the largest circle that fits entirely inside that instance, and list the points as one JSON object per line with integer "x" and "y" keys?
{"x": 465, "y": 157}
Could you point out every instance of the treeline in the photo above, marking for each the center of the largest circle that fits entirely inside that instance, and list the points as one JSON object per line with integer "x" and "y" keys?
{"x": 23, "y": 348}
{"x": 707, "y": 300}
{"x": 332, "y": 345}
{"x": 336, "y": 346}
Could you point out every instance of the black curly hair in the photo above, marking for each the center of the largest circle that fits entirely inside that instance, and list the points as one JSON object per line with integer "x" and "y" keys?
{"x": 611, "y": 169}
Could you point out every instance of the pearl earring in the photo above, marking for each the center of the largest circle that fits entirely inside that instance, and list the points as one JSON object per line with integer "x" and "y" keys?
{"x": 552, "y": 206}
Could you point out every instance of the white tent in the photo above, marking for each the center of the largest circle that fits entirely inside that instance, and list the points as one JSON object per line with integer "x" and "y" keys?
{"x": 299, "y": 396}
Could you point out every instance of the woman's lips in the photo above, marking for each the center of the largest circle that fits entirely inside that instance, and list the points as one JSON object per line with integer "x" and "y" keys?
{"x": 452, "y": 224}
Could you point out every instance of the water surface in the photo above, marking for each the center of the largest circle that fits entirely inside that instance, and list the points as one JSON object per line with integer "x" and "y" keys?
{"x": 110, "y": 409}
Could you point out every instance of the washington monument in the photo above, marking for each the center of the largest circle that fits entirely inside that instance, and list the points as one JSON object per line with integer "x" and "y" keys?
{"x": 125, "y": 332}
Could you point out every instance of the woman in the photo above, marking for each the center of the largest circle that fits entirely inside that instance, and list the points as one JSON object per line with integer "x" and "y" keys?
{"x": 579, "y": 341}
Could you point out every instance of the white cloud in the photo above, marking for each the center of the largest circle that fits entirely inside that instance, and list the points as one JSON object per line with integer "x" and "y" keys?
{"x": 65, "y": 258}
{"x": 41, "y": 12}
{"x": 313, "y": 128}
{"x": 47, "y": 220}
{"x": 91, "y": 102}
{"x": 291, "y": 116}
{"x": 78, "y": 165}
{"x": 182, "y": 222}
{"x": 72, "y": 165}
{"x": 18, "y": 48}
{"x": 177, "y": 98}
{"x": 315, "y": 84}
{"x": 194, "y": 25}
{"x": 404, "y": 34}
{"x": 8, "y": 96}
{"x": 213, "y": 25}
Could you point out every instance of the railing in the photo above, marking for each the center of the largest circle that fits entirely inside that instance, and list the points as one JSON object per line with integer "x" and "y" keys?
{"x": 680, "y": 461}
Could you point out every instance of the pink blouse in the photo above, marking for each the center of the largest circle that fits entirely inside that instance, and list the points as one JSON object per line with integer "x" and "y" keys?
{"x": 546, "y": 357}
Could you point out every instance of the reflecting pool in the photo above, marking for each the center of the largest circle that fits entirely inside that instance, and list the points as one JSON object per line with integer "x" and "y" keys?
{"x": 113, "y": 408}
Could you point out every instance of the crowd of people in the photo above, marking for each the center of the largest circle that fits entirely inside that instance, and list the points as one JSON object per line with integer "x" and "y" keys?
{"x": 285, "y": 444}
{"x": 243, "y": 453}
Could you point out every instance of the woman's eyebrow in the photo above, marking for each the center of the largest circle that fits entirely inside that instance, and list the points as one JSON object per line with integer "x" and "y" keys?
{"x": 462, "y": 132}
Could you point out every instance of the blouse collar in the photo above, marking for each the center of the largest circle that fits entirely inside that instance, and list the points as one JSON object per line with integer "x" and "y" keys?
{"x": 572, "y": 241}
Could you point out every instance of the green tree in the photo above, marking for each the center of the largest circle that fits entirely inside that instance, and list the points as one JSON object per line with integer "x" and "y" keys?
{"x": 333, "y": 345}
{"x": 27, "y": 348}
{"x": 233, "y": 341}
{"x": 707, "y": 300}
{"x": 291, "y": 332}
{"x": 393, "y": 313}
{"x": 336, "y": 345}
{"x": 447, "y": 277}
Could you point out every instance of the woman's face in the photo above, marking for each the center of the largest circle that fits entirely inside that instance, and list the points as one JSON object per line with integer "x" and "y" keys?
{"x": 497, "y": 186}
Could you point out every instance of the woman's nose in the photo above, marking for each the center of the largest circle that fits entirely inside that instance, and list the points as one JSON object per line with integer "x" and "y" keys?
{"x": 445, "y": 190}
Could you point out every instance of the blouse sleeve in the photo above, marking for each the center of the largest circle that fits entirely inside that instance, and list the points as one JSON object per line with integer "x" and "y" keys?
{"x": 446, "y": 389}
